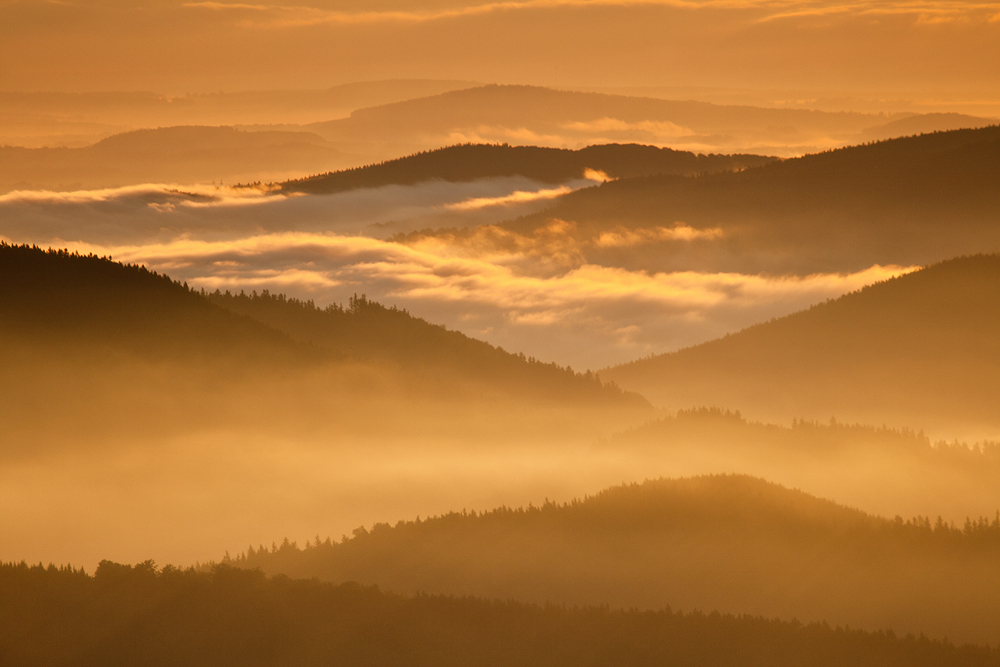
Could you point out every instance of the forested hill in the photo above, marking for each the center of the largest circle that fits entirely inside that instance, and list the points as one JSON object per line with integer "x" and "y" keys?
{"x": 144, "y": 617}
{"x": 919, "y": 350}
{"x": 67, "y": 300}
{"x": 368, "y": 331}
{"x": 469, "y": 162}
{"x": 731, "y": 543}
{"x": 913, "y": 200}
{"x": 97, "y": 350}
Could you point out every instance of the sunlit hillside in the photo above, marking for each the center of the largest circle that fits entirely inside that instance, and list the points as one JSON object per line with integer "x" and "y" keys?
{"x": 918, "y": 350}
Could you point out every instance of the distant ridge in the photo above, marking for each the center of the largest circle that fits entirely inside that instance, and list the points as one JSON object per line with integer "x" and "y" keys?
{"x": 468, "y": 162}
{"x": 721, "y": 542}
{"x": 919, "y": 350}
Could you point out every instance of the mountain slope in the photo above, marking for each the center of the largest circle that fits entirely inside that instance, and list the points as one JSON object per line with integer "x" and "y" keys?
{"x": 723, "y": 542}
{"x": 919, "y": 350}
{"x": 906, "y": 201}
{"x": 470, "y": 162}
{"x": 99, "y": 350}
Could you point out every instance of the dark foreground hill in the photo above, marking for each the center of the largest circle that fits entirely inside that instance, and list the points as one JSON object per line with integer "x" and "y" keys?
{"x": 919, "y": 350}
{"x": 730, "y": 543}
{"x": 469, "y": 162}
{"x": 138, "y": 616}
{"x": 906, "y": 201}
{"x": 99, "y": 349}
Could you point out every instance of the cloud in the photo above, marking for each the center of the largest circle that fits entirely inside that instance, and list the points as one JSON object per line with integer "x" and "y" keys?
{"x": 286, "y": 16}
{"x": 518, "y": 197}
{"x": 590, "y": 316}
{"x": 623, "y": 238}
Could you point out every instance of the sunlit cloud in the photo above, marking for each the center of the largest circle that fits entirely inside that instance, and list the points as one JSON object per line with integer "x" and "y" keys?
{"x": 163, "y": 197}
{"x": 623, "y": 238}
{"x": 290, "y": 16}
{"x": 590, "y": 315}
{"x": 513, "y": 198}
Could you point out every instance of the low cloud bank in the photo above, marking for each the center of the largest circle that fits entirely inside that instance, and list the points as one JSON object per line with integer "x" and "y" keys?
{"x": 590, "y": 316}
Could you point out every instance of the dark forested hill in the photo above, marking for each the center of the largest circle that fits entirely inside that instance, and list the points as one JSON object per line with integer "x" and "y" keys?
{"x": 920, "y": 350}
{"x": 58, "y": 298}
{"x": 469, "y": 162}
{"x": 905, "y": 201}
{"x": 144, "y": 617}
{"x": 97, "y": 348}
{"x": 368, "y": 331}
{"x": 722, "y": 542}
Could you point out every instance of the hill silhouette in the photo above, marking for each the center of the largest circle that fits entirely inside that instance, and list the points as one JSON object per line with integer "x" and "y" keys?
{"x": 103, "y": 350}
{"x": 917, "y": 350}
{"x": 906, "y": 201}
{"x": 470, "y": 162}
{"x": 140, "y": 615}
{"x": 720, "y": 542}
{"x": 368, "y": 331}
{"x": 924, "y": 124}
{"x": 885, "y": 470}
{"x": 182, "y": 154}
{"x": 536, "y": 115}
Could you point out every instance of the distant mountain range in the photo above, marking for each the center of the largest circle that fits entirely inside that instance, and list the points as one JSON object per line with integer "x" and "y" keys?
{"x": 188, "y": 154}
{"x": 543, "y": 116}
{"x": 719, "y": 542}
{"x": 919, "y": 350}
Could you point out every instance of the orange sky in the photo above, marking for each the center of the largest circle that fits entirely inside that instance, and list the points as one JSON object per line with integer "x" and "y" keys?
{"x": 927, "y": 47}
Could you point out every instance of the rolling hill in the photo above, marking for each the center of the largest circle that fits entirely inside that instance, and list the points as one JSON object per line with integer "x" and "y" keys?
{"x": 469, "y": 162}
{"x": 731, "y": 543}
{"x": 919, "y": 350}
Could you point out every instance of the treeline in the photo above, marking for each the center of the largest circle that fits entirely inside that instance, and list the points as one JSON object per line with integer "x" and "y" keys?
{"x": 368, "y": 331}
{"x": 906, "y": 201}
{"x": 143, "y": 616}
{"x": 733, "y": 543}
{"x": 469, "y": 162}
{"x": 917, "y": 350}
{"x": 62, "y": 298}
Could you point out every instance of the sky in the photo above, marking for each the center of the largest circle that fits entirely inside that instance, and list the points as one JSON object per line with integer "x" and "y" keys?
{"x": 927, "y": 47}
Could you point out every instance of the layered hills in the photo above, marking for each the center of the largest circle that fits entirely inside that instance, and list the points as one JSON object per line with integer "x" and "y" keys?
{"x": 918, "y": 350}
{"x": 543, "y": 116}
{"x": 908, "y": 201}
{"x": 720, "y": 542}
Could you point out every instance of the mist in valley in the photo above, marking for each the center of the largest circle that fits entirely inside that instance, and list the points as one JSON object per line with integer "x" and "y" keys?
{"x": 530, "y": 333}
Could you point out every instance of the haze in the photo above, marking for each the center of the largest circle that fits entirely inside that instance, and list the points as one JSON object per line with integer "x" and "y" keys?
{"x": 500, "y": 333}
